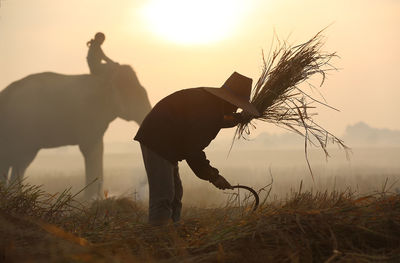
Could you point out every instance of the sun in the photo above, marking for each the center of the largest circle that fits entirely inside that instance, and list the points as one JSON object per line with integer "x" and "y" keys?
{"x": 193, "y": 21}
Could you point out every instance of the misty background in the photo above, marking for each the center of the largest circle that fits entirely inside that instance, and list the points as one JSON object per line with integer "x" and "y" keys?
{"x": 48, "y": 35}
{"x": 254, "y": 162}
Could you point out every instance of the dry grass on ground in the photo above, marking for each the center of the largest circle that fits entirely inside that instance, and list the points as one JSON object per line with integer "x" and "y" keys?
{"x": 306, "y": 227}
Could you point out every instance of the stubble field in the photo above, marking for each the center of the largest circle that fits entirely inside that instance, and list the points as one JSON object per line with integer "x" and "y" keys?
{"x": 349, "y": 213}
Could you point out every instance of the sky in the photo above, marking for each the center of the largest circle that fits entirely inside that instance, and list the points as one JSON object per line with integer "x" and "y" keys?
{"x": 48, "y": 35}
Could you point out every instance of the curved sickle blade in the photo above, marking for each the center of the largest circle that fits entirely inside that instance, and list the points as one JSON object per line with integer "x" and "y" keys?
{"x": 257, "y": 199}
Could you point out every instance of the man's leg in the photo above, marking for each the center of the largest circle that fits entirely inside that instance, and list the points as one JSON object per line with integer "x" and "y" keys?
{"x": 160, "y": 175}
{"x": 177, "y": 203}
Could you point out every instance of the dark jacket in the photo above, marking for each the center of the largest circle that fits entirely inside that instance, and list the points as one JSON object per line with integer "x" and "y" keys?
{"x": 181, "y": 125}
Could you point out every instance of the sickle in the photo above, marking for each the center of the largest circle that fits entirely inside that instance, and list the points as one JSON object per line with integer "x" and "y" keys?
{"x": 257, "y": 199}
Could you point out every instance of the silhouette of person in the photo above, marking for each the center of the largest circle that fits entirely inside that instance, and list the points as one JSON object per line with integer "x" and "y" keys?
{"x": 95, "y": 56}
{"x": 178, "y": 128}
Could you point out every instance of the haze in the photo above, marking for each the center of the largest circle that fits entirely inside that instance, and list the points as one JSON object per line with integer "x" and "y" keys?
{"x": 47, "y": 35}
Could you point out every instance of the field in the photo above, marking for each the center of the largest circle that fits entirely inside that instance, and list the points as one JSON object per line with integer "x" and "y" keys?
{"x": 350, "y": 213}
{"x": 365, "y": 172}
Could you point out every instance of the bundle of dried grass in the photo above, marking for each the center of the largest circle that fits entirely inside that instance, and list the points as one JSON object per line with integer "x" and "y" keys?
{"x": 279, "y": 99}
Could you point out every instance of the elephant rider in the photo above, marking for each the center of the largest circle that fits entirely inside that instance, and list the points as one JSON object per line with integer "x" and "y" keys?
{"x": 95, "y": 56}
{"x": 178, "y": 128}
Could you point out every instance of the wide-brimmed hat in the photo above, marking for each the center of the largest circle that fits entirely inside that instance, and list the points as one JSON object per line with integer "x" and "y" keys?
{"x": 236, "y": 90}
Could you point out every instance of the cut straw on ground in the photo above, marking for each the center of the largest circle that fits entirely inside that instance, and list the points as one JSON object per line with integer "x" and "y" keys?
{"x": 305, "y": 227}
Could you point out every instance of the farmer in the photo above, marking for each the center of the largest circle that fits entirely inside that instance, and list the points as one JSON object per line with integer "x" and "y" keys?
{"x": 178, "y": 128}
{"x": 95, "y": 56}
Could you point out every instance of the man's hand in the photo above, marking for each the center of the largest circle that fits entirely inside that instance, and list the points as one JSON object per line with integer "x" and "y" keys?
{"x": 221, "y": 183}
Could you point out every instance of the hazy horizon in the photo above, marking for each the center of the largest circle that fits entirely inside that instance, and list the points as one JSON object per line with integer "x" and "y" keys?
{"x": 37, "y": 36}
{"x": 46, "y": 35}
{"x": 124, "y": 174}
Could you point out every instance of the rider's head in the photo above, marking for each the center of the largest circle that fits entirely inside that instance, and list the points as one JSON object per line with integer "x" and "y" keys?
{"x": 99, "y": 38}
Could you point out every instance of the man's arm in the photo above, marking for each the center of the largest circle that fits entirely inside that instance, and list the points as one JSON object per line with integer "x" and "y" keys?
{"x": 202, "y": 168}
{"x": 231, "y": 120}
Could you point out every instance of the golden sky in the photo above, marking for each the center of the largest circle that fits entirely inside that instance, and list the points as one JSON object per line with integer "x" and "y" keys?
{"x": 48, "y": 35}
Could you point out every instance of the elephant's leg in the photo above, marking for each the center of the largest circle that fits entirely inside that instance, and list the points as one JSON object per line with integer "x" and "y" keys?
{"x": 19, "y": 167}
{"x": 93, "y": 155}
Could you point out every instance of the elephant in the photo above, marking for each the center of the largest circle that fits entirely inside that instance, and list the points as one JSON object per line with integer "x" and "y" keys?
{"x": 47, "y": 110}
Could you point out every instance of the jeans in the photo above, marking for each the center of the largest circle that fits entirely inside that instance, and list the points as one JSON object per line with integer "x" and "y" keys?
{"x": 165, "y": 188}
